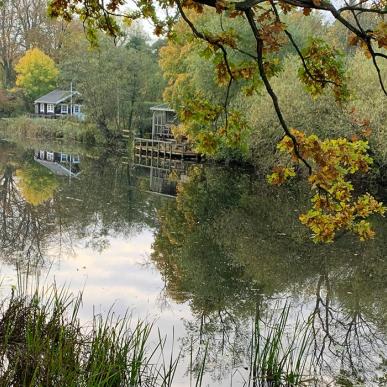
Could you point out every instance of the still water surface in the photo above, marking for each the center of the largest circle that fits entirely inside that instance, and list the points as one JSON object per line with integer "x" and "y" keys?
{"x": 200, "y": 262}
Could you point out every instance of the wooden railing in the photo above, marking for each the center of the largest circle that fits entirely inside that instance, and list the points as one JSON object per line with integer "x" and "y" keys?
{"x": 162, "y": 146}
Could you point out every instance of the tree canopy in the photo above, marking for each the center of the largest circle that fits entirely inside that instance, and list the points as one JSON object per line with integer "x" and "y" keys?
{"x": 36, "y": 73}
{"x": 131, "y": 82}
{"x": 244, "y": 44}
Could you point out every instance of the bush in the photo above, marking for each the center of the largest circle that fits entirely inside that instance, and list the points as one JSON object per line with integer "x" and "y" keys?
{"x": 10, "y": 103}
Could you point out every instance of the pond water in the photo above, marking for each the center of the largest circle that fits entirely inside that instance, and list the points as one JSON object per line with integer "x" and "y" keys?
{"x": 199, "y": 249}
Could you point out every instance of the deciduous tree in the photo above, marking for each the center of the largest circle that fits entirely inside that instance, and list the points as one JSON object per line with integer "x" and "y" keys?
{"x": 25, "y": 24}
{"x": 36, "y": 73}
{"x": 130, "y": 84}
{"x": 254, "y": 61}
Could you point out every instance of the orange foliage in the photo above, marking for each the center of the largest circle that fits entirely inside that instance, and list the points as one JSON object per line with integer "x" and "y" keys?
{"x": 334, "y": 206}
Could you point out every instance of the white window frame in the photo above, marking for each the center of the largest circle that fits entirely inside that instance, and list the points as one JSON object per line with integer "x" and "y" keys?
{"x": 63, "y": 157}
{"x": 41, "y": 107}
{"x": 75, "y": 159}
{"x": 64, "y": 109}
{"x": 50, "y": 108}
{"x": 50, "y": 156}
{"x": 77, "y": 109}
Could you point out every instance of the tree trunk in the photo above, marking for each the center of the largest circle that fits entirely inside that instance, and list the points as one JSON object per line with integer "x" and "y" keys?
{"x": 8, "y": 75}
{"x": 106, "y": 132}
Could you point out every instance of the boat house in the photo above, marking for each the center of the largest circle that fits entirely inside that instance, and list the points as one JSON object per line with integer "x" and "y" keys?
{"x": 163, "y": 119}
{"x": 59, "y": 103}
{"x": 162, "y": 146}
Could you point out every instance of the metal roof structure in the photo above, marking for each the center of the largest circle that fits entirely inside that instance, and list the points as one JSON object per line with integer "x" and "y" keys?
{"x": 162, "y": 107}
{"x": 56, "y": 96}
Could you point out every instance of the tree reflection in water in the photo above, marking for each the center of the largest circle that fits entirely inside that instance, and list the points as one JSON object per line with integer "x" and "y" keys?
{"x": 230, "y": 244}
{"x": 24, "y": 227}
{"x": 43, "y": 216}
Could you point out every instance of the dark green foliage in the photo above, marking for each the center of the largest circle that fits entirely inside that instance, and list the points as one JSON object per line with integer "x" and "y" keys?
{"x": 130, "y": 85}
{"x": 10, "y": 103}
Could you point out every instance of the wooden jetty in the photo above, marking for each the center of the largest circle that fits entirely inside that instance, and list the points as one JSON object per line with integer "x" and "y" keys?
{"x": 155, "y": 149}
{"x": 161, "y": 144}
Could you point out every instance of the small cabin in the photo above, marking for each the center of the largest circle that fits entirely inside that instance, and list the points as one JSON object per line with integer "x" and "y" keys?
{"x": 60, "y": 163}
{"x": 163, "y": 119}
{"x": 59, "y": 103}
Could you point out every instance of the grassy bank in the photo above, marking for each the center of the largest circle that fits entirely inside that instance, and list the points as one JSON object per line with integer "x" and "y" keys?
{"x": 34, "y": 127}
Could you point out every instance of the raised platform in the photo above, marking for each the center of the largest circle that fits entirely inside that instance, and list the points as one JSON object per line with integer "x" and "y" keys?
{"x": 154, "y": 149}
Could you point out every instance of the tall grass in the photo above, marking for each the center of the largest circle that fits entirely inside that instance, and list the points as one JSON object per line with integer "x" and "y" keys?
{"x": 278, "y": 357}
{"x": 34, "y": 127}
{"x": 42, "y": 343}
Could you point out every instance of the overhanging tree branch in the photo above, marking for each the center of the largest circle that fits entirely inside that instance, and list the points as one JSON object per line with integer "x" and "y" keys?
{"x": 216, "y": 43}
{"x": 250, "y": 17}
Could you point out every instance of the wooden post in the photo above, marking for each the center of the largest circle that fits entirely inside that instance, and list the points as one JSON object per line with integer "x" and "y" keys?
{"x": 146, "y": 152}
{"x": 158, "y": 154}
{"x": 153, "y": 124}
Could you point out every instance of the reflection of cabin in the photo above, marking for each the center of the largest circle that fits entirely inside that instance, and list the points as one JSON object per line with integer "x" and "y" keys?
{"x": 164, "y": 118}
{"x": 60, "y": 163}
{"x": 59, "y": 103}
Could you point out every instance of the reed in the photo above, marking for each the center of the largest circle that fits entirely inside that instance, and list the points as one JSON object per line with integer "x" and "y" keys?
{"x": 278, "y": 357}
{"x": 42, "y": 343}
{"x": 71, "y": 130}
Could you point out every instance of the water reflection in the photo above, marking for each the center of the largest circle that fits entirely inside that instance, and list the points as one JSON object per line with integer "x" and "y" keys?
{"x": 25, "y": 224}
{"x": 43, "y": 213}
{"x": 228, "y": 246}
{"x": 59, "y": 163}
{"x": 230, "y": 243}
{"x": 159, "y": 175}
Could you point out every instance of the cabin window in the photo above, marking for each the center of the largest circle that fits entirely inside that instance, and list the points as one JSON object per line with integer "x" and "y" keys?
{"x": 64, "y": 109}
{"x": 50, "y": 108}
{"x": 42, "y": 107}
{"x": 75, "y": 159}
{"x": 63, "y": 157}
{"x": 159, "y": 122}
{"x": 77, "y": 109}
{"x": 50, "y": 156}
{"x": 171, "y": 117}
